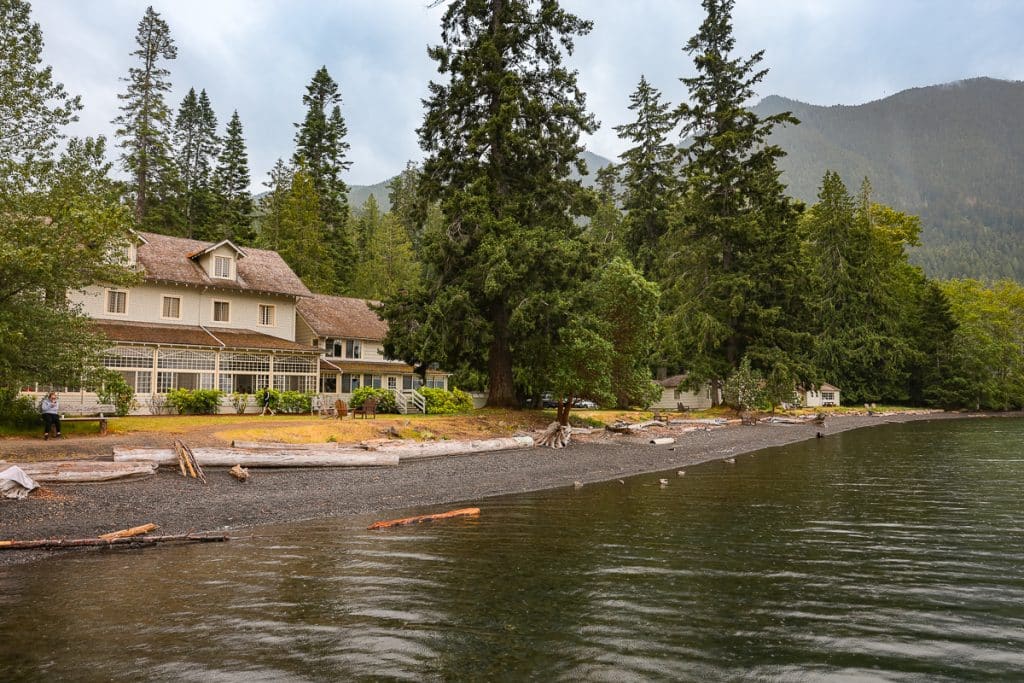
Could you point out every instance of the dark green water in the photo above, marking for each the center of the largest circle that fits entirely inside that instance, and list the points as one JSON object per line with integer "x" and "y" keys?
{"x": 894, "y": 553}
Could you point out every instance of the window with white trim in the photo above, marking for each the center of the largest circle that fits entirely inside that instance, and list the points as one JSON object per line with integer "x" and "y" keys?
{"x": 392, "y": 383}
{"x": 171, "y": 307}
{"x": 298, "y": 364}
{"x": 222, "y": 267}
{"x": 252, "y": 362}
{"x": 268, "y": 315}
{"x": 221, "y": 312}
{"x": 117, "y": 301}
{"x": 127, "y": 357}
{"x": 828, "y": 396}
{"x": 353, "y": 349}
{"x": 170, "y": 359}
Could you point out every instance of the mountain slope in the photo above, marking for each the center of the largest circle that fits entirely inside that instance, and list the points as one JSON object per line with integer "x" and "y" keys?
{"x": 954, "y": 154}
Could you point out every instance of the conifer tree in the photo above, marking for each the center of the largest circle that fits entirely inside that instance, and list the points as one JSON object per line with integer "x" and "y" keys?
{"x": 735, "y": 283}
{"x": 298, "y": 230}
{"x": 501, "y": 133}
{"x": 408, "y": 204}
{"x": 367, "y": 225}
{"x": 648, "y": 174}
{"x": 272, "y": 205}
{"x": 321, "y": 149}
{"x": 231, "y": 185}
{"x": 388, "y": 265}
{"x": 197, "y": 147}
{"x": 606, "y": 222}
{"x": 144, "y": 126}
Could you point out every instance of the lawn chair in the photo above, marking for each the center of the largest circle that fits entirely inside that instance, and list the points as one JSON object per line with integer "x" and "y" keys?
{"x": 340, "y": 409}
{"x": 369, "y": 407}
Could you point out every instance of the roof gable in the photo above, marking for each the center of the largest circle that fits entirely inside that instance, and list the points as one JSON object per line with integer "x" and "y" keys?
{"x": 173, "y": 259}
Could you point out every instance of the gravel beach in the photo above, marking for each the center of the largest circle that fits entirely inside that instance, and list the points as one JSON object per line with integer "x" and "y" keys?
{"x": 180, "y": 505}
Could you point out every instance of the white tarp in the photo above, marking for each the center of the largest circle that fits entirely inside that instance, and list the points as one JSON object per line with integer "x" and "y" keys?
{"x": 14, "y": 483}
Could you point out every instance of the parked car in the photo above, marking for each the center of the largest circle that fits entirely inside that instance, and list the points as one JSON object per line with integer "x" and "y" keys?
{"x": 583, "y": 403}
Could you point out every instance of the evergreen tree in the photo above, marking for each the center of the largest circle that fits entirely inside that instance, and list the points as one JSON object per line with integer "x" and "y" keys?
{"x": 734, "y": 283}
{"x": 231, "y": 185}
{"x": 62, "y": 224}
{"x": 299, "y": 231}
{"x": 501, "y": 135}
{"x": 648, "y": 174}
{"x": 272, "y": 205}
{"x": 388, "y": 265}
{"x": 197, "y": 147}
{"x": 606, "y": 222}
{"x": 408, "y": 204}
{"x": 367, "y": 225}
{"x": 320, "y": 148}
{"x": 144, "y": 127}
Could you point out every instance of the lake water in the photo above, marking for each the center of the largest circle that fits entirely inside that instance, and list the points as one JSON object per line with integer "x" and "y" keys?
{"x": 894, "y": 553}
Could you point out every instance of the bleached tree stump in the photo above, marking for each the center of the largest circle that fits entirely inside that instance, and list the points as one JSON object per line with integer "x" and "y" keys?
{"x": 556, "y": 436}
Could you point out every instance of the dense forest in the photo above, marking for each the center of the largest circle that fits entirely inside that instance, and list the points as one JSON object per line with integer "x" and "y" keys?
{"x": 715, "y": 248}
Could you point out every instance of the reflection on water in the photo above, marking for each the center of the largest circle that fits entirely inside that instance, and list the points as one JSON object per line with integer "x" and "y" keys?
{"x": 893, "y": 553}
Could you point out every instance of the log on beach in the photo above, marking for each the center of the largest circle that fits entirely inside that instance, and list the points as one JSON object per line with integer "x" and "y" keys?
{"x": 134, "y": 531}
{"x": 130, "y": 540}
{"x": 462, "y": 512}
{"x": 228, "y": 457}
{"x": 85, "y": 471}
{"x": 433, "y": 449}
{"x": 281, "y": 446}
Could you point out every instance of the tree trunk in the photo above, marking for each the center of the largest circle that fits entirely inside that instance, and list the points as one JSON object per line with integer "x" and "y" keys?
{"x": 501, "y": 385}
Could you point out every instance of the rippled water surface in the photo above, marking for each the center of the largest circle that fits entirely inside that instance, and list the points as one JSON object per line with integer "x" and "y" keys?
{"x": 894, "y": 553}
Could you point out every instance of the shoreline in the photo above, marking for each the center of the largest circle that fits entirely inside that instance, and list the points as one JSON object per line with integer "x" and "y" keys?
{"x": 281, "y": 496}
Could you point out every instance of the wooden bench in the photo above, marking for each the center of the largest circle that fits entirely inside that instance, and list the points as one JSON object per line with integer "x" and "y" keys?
{"x": 340, "y": 409}
{"x": 102, "y": 420}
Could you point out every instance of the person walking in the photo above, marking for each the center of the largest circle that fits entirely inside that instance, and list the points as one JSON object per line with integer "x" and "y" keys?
{"x": 266, "y": 403}
{"x": 50, "y": 407}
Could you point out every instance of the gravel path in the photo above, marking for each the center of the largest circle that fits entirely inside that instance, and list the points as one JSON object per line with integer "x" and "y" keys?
{"x": 289, "y": 495}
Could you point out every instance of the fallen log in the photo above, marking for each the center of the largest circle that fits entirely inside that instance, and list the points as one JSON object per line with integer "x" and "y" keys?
{"x": 134, "y": 531}
{"x": 85, "y": 471}
{"x": 662, "y": 441}
{"x": 227, "y": 457}
{"x": 187, "y": 460}
{"x": 131, "y": 540}
{"x": 433, "y": 449}
{"x": 281, "y": 446}
{"x": 463, "y": 512}
{"x": 629, "y": 428}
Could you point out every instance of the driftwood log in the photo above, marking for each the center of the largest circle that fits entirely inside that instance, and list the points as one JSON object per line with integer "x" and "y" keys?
{"x": 556, "y": 436}
{"x": 281, "y": 446}
{"x": 662, "y": 441}
{"x": 131, "y": 540}
{"x": 463, "y": 512}
{"x": 433, "y": 449}
{"x": 239, "y": 473}
{"x": 85, "y": 471}
{"x": 187, "y": 462}
{"x": 228, "y": 457}
{"x": 127, "y": 533}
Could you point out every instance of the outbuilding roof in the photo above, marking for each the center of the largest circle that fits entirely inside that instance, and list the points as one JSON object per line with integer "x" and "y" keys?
{"x": 341, "y": 316}
{"x": 170, "y": 259}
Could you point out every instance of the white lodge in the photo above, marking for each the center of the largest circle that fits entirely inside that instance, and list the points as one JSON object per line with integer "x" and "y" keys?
{"x": 217, "y": 316}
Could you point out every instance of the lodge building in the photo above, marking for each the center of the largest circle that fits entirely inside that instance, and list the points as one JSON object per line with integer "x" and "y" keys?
{"x": 218, "y": 316}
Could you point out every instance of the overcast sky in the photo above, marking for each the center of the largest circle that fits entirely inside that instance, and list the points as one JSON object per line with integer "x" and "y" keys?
{"x": 257, "y": 56}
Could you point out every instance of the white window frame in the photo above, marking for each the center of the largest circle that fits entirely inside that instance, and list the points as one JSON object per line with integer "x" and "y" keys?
{"x": 213, "y": 311}
{"x": 353, "y": 349}
{"x": 108, "y": 293}
{"x": 217, "y": 259}
{"x": 273, "y": 315}
{"x": 163, "y": 307}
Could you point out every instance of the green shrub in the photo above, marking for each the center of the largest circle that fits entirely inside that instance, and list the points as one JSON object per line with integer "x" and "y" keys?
{"x": 294, "y": 402}
{"x": 240, "y": 401}
{"x": 444, "y": 402}
{"x": 116, "y": 391}
{"x": 195, "y": 401}
{"x": 385, "y": 399}
{"x": 17, "y": 411}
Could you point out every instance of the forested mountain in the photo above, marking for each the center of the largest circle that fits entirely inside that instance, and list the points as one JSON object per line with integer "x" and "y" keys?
{"x": 953, "y": 154}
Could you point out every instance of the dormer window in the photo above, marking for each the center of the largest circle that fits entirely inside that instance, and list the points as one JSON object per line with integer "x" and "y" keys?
{"x": 222, "y": 267}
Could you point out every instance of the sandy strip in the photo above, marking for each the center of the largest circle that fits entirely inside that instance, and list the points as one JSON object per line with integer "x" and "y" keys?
{"x": 276, "y": 496}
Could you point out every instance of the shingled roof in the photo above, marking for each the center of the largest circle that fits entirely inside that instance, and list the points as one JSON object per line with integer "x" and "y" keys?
{"x": 167, "y": 259}
{"x": 340, "y": 316}
{"x": 190, "y": 335}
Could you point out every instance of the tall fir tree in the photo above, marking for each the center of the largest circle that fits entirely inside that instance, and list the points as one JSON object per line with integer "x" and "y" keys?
{"x": 388, "y": 264}
{"x": 231, "y": 184}
{"x": 321, "y": 148}
{"x": 294, "y": 224}
{"x": 196, "y": 149}
{"x": 501, "y": 133}
{"x": 144, "y": 127}
{"x": 278, "y": 184}
{"x": 735, "y": 285}
{"x": 648, "y": 174}
{"x": 366, "y": 225}
{"x": 408, "y": 204}
{"x": 606, "y": 223}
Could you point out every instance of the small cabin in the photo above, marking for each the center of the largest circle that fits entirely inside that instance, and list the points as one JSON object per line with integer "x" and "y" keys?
{"x": 676, "y": 397}
{"x": 824, "y": 396}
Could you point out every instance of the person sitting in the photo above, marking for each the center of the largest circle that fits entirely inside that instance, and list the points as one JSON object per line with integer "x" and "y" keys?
{"x": 50, "y": 407}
